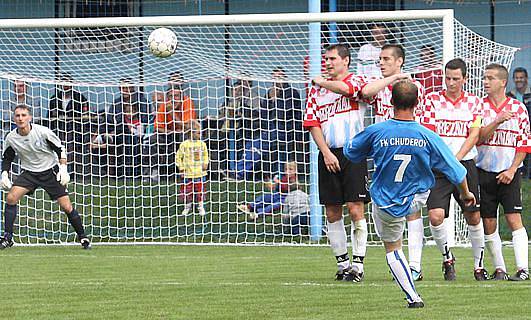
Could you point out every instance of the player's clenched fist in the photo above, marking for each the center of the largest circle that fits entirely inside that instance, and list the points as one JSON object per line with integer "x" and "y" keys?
{"x": 6, "y": 182}
{"x": 62, "y": 176}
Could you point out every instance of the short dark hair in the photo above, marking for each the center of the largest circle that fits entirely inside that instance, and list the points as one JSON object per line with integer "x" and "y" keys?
{"x": 520, "y": 69}
{"x": 398, "y": 51}
{"x": 342, "y": 50}
{"x": 502, "y": 70}
{"x": 455, "y": 64}
{"x": 405, "y": 95}
{"x": 23, "y": 106}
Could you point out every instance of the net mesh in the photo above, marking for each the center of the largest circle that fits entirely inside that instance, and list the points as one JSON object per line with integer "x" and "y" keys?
{"x": 109, "y": 100}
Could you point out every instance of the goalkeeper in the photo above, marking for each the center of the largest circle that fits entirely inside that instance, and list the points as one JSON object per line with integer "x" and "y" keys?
{"x": 43, "y": 163}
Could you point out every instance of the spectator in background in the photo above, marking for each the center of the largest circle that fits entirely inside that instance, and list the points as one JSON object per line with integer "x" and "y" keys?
{"x": 429, "y": 72}
{"x": 192, "y": 159}
{"x": 69, "y": 119}
{"x": 20, "y": 96}
{"x": 130, "y": 94}
{"x": 280, "y": 115}
{"x": 296, "y": 211}
{"x": 169, "y": 125}
{"x": 128, "y": 131}
{"x": 271, "y": 201}
{"x": 369, "y": 53}
{"x": 522, "y": 93}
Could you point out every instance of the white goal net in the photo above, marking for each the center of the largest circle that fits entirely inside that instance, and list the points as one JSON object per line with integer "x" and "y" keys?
{"x": 119, "y": 110}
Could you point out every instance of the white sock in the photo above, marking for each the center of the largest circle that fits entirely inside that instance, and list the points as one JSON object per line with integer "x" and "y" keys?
{"x": 415, "y": 238}
{"x": 400, "y": 269}
{"x": 494, "y": 247}
{"x": 358, "y": 235}
{"x": 439, "y": 235}
{"x": 337, "y": 236}
{"x": 477, "y": 239}
{"x": 520, "y": 244}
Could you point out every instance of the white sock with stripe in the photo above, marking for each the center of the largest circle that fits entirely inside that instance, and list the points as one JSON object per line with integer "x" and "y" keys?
{"x": 415, "y": 237}
{"x": 494, "y": 247}
{"x": 477, "y": 239}
{"x": 400, "y": 269}
{"x": 337, "y": 236}
{"x": 358, "y": 235}
{"x": 520, "y": 244}
{"x": 441, "y": 239}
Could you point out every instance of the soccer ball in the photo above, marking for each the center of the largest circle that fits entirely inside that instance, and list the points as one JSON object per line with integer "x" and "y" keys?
{"x": 162, "y": 42}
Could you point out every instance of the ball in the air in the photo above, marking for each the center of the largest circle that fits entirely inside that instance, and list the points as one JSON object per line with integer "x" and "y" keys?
{"x": 162, "y": 42}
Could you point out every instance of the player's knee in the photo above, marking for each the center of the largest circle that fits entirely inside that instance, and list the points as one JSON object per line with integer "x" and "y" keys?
{"x": 355, "y": 210}
{"x": 436, "y": 217}
{"x": 514, "y": 221}
{"x": 12, "y": 199}
{"x": 472, "y": 218}
{"x": 489, "y": 225}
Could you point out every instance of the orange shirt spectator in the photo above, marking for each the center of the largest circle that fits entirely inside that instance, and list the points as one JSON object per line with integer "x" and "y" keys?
{"x": 172, "y": 114}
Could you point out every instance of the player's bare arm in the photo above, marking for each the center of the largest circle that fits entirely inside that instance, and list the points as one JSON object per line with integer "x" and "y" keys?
{"x": 487, "y": 131}
{"x": 470, "y": 142}
{"x": 507, "y": 176}
{"x": 372, "y": 88}
{"x": 330, "y": 160}
{"x": 335, "y": 86}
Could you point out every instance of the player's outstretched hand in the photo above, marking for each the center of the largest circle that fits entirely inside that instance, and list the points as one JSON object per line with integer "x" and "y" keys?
{"x": 62, "y": 176}
{"x": 468, "y": 198}
{"x": 6, "y": 182}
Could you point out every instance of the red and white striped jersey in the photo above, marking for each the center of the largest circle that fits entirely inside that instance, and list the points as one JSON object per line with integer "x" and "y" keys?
{"x": 497, "y": 153}
{"x": 383, "y": 109}
{"x": 339, "y": 117}
{"x": 454, "y": 118}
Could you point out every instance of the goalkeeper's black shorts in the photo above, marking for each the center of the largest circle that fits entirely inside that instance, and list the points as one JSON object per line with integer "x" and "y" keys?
{"x": 46, "y": 180}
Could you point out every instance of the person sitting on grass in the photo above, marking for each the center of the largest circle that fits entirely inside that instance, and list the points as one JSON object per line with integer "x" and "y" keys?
{"x": 192, "y": 160}
{"x": 271, "y": 202}
{"x": 295, "y": 211}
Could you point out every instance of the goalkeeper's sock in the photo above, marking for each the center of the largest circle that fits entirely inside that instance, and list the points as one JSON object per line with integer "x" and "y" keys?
{"x": 400, "y": 269}
{"x": 75, "y": 221}
{"x": 10, "y": 214}
{"x": 415, "y": 237}
{"x": 440, "y": 237}
{"x": 494, "y": 247}
{"x": 520, "y": 244}
{"x": 338, "y": 241}
{"x": 477, "y": 239}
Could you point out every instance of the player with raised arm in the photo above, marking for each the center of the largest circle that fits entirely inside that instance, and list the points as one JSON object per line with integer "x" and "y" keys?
{"x": 43, "y": 163}
{"x": 504, "y": 143}
{"x": 392, "y": 58}
{"x": 404, "y": 153}
{"x": 335, "y": 114}
{"x": 458, "y": 123}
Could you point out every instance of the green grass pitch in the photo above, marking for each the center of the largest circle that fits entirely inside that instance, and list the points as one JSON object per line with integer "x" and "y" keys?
{"x": 229, "y": 282}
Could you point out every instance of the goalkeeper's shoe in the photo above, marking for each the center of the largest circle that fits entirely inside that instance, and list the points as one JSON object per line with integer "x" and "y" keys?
{"x": 499, "y": 274}
{"x": 417, "y": 275}
{"x": 85, "y": 243}
{"x": 448, "y": 268}
{"x": 5, "y": 243}
{"x": 520, "y": 275}
{"x": 415, "y": 304}
{"x": 481, "y": 274}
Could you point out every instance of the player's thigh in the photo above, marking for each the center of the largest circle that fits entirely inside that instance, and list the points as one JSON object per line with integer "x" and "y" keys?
{"x": 354, "y": 181}
{"x": 25, "y": 180}
{"x": 49, "y": 183}
{"x": 389, "y": 228}
{"x": 488, "y": 190}
{"x": 65, "y": 203}
{"x": 440, "y": 194}
{"x": 15, "y": 194}
{"x": 330, "y": 186}
{"x": 472, "y": 179}
{"x": 510, "y": 195}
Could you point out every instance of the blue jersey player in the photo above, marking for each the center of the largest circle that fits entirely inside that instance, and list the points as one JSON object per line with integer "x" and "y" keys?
{"x": 404, "y": 154}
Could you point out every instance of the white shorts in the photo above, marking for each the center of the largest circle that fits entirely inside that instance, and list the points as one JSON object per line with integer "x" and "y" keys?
{"x": 389, "y": 228}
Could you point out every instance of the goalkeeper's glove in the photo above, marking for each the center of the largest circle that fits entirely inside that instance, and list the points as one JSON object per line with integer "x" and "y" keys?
{"x": 62, "y": 176}
{"x": 6, "y": 182}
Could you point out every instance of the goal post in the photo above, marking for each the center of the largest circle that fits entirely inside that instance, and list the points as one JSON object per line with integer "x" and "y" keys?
{"x": 244, "y": 76}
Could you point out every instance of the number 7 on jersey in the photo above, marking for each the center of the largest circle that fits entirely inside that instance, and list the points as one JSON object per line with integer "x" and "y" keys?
{"x": 406, "y": 159}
